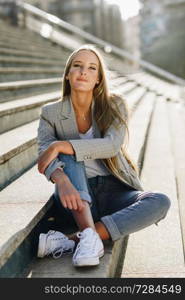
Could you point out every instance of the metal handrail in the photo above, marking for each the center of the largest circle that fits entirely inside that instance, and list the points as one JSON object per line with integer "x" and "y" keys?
{"x": 91, "y": 38}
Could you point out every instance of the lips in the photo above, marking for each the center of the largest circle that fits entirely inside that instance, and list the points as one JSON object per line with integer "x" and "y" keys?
{"x": 80, "y": 79}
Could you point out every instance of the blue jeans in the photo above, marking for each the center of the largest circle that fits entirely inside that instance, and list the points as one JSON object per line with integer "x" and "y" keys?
{"x": 122, "y": 209}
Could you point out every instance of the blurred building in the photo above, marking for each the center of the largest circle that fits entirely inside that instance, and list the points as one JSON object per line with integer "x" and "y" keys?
{"x": 132, "y": 37}
{"x": 94, "y": 16}
{"x": 163, "y": 35}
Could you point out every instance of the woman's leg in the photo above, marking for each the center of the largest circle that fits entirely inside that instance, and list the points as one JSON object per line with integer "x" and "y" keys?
{"x": 121, "y": 215}
{"x": 76, "y": 173}
{"x": 148, "y": 209}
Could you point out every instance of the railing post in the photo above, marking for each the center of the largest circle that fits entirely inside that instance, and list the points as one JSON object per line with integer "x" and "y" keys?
{"x": 13, "y": 14}
{"x": 22, "y": 17}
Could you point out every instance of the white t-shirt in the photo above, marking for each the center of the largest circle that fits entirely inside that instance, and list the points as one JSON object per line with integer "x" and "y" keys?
{"x": 93, "y": 167}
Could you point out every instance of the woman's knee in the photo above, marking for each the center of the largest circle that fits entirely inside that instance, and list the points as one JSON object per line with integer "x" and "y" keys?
{"x": 163, "y": 201}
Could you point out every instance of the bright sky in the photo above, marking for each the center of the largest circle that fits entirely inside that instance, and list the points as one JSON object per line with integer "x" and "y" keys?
{"x": 129, "y": 8}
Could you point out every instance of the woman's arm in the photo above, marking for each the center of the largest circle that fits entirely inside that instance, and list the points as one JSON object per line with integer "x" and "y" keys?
{"x": 100, "y": 148}
{"x": 97, "y": 148}
{"x": 45, "y": 138}
{"x": 68, "y": 194}
{"x": 52, "y": 152}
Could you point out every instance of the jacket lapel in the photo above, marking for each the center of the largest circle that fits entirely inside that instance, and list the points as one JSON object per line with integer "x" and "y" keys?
{"x": 68, "y": 121}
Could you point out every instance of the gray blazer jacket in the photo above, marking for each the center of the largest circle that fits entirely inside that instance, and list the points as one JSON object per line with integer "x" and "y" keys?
{"x": 58, "y": 122}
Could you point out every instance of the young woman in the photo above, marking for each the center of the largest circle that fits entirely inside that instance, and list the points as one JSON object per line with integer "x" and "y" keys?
{"x": 82, "y": 150}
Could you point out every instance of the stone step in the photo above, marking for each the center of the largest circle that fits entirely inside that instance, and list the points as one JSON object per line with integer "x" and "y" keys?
{"x": 134, "y": 97}
{"x": 15, "y": 74}
{"x": 24, "y": 54}
{"x": 141, "y": 120}
{"x": 27, "y": 62}
{"x": 25, "y": 35}
{"x": 25, "y": 38}
{"x": 22, "y": 89}
{"x": 19, "y": 112}
{"x": 127, "y": 87}
{"x": 177, "y": 128}
{"x": 52, "y": 51}
{"x": 109, "y": 265}
{"x": 161, "y": 87}
{"x": 159, "y": 248}
{"x": 22, "y": 205}
{"x": 13, "y": 31}
{"x": 18, "y": 152}
{"x": 116, "y": 81}
{"x": 30, "y": 44}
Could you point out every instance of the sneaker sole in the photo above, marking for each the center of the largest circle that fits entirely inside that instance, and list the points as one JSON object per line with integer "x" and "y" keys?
{"x": 42, "y": 245}
{"x": 89, "y": 261}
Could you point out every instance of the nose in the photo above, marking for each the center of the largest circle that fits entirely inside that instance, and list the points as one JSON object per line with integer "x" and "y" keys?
{"x": 83, "y": 71}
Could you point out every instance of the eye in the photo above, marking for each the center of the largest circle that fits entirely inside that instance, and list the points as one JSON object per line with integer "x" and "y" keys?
{"x": 93, "y": 68}
{"x": 76, "y": 65}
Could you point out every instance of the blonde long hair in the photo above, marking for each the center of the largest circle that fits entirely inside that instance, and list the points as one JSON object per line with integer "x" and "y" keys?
{"x": 105, "y": 107}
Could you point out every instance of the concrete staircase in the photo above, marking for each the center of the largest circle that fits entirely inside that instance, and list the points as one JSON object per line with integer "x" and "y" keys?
{"x": 30, "y": 76}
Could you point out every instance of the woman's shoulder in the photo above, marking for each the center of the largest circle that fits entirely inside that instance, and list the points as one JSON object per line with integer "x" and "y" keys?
{"x": 51, "y": 107}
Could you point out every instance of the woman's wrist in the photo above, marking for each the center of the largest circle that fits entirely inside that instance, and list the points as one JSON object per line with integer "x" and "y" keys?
{"x": 58, "y": 175}
{"x": 64, "y": 147}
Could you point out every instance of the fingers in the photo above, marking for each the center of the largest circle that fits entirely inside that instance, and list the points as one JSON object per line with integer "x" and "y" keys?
{"x": 73, "y": 202}
{"x": 80, "y": 205}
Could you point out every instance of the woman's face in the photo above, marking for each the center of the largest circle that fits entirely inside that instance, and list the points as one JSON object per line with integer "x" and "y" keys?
{"x": 84, "y": 71}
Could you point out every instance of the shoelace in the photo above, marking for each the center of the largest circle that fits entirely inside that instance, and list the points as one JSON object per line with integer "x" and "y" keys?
{"x": 83, "y": 245}
{"x": 57, "y": 253}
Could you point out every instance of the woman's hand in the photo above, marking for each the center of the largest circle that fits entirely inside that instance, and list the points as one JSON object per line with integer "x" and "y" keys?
{"x": 52, "y": 152}
{"x": 68, "y": 195}
{"x": 47, "y": 156}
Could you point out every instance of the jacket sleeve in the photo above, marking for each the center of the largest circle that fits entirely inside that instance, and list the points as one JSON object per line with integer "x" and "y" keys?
{"x": 46, "y": 136}
{"x": 106, "y": 147}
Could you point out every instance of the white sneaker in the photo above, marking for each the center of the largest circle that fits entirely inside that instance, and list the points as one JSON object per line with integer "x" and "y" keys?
{"x": 55, "y": 243}
{"x": 89, "y": 249}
